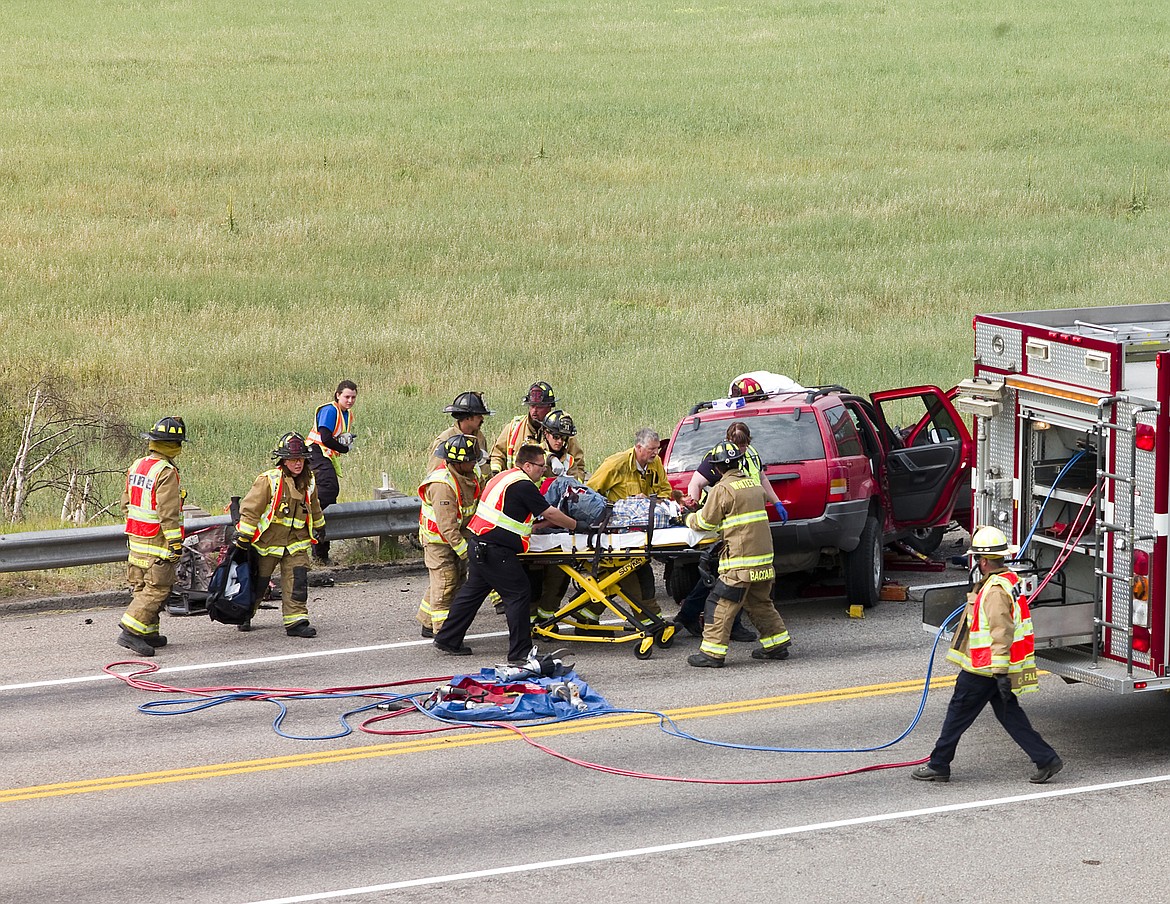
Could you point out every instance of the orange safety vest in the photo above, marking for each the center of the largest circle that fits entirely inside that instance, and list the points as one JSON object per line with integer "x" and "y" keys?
{"x": 519, "y": 429}
{"x": 142, "y": 518}
{"x": 490, "y": 512}
{"x": 428, "y": 528}
{"x": 1020, "y": 661}
{"x": 344, "y": 424}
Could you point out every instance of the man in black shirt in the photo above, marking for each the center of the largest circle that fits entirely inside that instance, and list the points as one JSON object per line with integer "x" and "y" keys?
{"x": 500, "y": 530}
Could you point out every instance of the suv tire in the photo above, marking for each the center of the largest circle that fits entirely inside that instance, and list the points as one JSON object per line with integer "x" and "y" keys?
{"x": 682, "y": 579}
{"x": 925, "y": 539}
{"x": 864, "y": 568}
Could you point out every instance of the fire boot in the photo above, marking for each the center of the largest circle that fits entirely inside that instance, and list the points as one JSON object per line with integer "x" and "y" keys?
{"x": 156, "y": 640}
{"x": 780, "y": 652}
{"x": 703, "y": 661}
{"x": 301, "y": 629}
{"x": 135, "y": 643}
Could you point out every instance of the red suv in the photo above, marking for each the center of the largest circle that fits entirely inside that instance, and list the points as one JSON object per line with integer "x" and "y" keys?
{"x": 850, "y": 479}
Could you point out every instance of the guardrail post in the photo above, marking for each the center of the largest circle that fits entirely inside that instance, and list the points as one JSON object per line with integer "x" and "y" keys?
{"x": 387, "y": 543}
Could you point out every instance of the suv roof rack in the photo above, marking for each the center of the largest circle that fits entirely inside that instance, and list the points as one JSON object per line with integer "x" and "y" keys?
{"x": 815, "y": 392}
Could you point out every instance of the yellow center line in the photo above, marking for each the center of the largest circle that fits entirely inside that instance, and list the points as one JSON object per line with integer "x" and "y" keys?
{"x": 449, "y": 741}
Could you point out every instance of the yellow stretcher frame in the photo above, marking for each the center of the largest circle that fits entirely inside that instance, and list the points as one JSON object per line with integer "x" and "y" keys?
{"x": 597, "y": 575}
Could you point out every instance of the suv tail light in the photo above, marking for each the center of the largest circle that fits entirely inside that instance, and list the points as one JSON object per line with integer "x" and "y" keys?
{"x": 838, "y": 481}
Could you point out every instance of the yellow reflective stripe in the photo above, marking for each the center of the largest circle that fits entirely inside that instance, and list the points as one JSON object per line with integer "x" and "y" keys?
{"x": 460, "y": 548}
{"x": 290, "y": 620}
{"x": 138, "y": 627}
{"x": 745, "y": 518}
{"x": 717, "y": 650}
{"x": 150, "y": 550}
{"x": 496, "y": 518}
{"x": 775, "y": 640}
{"x": 702, "y": 524}
{"x": 745, "y": 562}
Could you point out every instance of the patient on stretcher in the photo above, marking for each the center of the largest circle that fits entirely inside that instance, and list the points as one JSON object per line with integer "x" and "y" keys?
{"x": 578, "y": 501}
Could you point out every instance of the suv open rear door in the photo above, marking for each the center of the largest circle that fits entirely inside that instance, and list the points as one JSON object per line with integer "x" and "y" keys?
{"x": 930, "y": 454}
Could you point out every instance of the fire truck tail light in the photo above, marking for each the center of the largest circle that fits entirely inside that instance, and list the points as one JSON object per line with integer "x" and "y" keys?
{"x": 1144, "y": 438}
{"x": 1141, "y": 640}
{"x": 1141, "y": 562}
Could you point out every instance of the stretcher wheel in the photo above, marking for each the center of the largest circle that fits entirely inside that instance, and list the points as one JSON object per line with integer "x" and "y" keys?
{"x": 665, "y": 637}
{"x": 644, "y": 648}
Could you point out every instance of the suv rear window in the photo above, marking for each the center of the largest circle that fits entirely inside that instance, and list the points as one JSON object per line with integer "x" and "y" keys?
{"x": 779, "y": 438}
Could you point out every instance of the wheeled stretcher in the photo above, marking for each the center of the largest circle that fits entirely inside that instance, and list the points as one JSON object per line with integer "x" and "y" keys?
{"x": 597, "y": 563}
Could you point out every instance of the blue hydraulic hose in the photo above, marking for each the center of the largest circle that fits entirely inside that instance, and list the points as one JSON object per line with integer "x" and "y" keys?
{"x": 1052, "y": 489}
{"x": 668, "y": 726}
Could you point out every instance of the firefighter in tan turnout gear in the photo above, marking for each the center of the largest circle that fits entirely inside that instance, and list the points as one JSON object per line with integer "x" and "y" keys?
{"x": 152, "y": 505}
{"x": 529, "y": 428}
{"x": 735, "y": 507}
{"x": 279, "y": 519}
{"x": 468, "y": 410}
{"x": 449, "y": 495}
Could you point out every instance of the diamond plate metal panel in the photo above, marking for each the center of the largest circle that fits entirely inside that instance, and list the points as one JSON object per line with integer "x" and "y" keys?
{"x": 1077, "y": 664}
{"x": 999, "y": 347}
{"x": 1066, "y": 363}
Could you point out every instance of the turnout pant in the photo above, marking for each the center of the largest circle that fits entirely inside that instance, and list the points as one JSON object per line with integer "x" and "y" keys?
{"x": 724, "y": 604}
{"x": 492, "y": 567}
{"x": 695, "y": 602}
{"x": 447, "y": 573}
{"x": 294, "y": 584}
{"x": 151, "y": 587}
{"x": 972, "y": 693}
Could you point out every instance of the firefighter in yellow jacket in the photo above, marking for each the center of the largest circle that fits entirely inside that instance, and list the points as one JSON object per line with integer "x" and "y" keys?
{"x": 152, "y": 505}
{"x": 735, "y": 507}
{"x": 449, "y": 495}
{"x": 279, "y": 519}
{"x": 993, "y": 648}
{"x": 638, "y": 471}
{"x": 528, "y": 428}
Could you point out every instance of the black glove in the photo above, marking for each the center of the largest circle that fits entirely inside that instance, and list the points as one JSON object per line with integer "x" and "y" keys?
{"x": 176, "y": 548}
{"x": 1004, "y": 684}
{"x": 241, "y": 541}
{"x": 582, "y": 526}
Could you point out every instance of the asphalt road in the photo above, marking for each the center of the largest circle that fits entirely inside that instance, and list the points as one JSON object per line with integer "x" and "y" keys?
{"x": 102, "y": 803}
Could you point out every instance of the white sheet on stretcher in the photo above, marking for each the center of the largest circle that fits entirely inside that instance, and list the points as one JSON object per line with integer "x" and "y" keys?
{"x": 675, "y": 537}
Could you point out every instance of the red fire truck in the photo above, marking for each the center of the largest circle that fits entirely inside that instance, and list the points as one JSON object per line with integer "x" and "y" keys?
{"x": 1071, "y": 412}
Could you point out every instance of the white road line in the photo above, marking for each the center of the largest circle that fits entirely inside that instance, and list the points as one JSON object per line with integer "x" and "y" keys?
{"x": 714, "y": 842}
{"x": 238, "y": 662}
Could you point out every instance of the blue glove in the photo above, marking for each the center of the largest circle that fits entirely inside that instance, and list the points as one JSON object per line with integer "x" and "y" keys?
{"x": 782, "y": 512}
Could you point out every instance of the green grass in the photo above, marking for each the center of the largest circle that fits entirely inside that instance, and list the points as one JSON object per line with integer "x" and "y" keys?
{"x": 634, "y": 201}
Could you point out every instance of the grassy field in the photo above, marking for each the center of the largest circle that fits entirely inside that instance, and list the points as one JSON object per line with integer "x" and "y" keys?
{"x": 220, "y": 209}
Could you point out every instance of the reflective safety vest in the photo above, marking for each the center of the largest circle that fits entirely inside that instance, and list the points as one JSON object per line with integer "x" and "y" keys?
{"x": 1020, "y": 662}
{"x": 276, "y": 488}
{"x": 428, "y": 528}
{"x": 490, "y": 511}
{"x": 344, "y": 425}
{"x": 753, "y": 465}
{"x": 142, "y": 517}
{"x": 519, "y": 432}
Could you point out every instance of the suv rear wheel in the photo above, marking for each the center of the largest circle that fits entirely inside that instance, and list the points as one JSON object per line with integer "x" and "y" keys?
{"x": 865, "y": 567}
{"x": 682, "y": 579}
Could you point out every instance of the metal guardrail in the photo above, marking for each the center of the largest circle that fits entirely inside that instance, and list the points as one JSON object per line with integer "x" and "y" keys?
{"x": 39, "y": 550}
